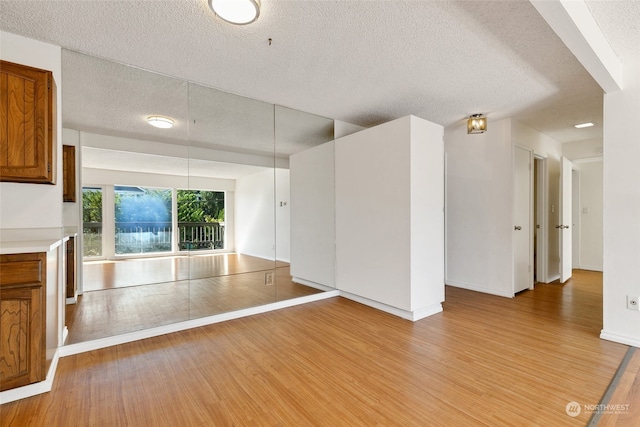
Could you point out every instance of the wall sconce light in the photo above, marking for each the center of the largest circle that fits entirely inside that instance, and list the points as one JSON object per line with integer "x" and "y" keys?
{"x": 477, "y": 123}
{"x": 239, "y": 12}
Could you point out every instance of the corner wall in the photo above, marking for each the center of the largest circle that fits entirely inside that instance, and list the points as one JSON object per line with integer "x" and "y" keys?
{"x": 479, "y": 208}
{"x": 313, "y": 225}
{"x": 621, "y": 213}
{"x": 34, "y": 205}
{"x": 255, "y": 215}
{"x": 590, "y": 211}
{"x": 389, "y": 217}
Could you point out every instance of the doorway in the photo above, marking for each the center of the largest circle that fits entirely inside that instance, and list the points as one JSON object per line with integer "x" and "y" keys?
{"x": 540, "y": 219}
{"x": 531, "y": 219}
{"x": 523, "y": 220}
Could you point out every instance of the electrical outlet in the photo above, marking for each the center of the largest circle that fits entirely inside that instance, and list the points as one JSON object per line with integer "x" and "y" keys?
{"x": 633, "y": 303}
{"x": 268, "y": 278}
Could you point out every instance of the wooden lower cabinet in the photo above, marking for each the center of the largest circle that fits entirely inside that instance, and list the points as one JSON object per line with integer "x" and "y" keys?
{"x": 68, "y": 173}
{"x": 70, "y": 284}
{"x": 22, "y": 319}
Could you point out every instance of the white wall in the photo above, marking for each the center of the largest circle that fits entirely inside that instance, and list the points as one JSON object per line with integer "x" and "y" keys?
{"x": 590, "y": 211}
{"x": 575, "y": 217}
{"x": 427, "y": 213}
{"x": 621, "y": 213}
{"x": 255, "y": 215}
{"x": 283, "y": 215}
{"x": 341, "y": 129}
{"x": 34, "y": 205}
{"x": 373, "y": 200}
{"x": 389, "y": 220}
{"x": 585, "y": 149}
{"x": 71, "y": 210}
{"x": 116, "y": 177}
{"x": 313, "y": 245}
{"x": 479, "y": 211}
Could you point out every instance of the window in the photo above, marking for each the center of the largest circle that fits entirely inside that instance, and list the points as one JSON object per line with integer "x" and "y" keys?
{"x": 200, "y": 219}
{"x": 92, "y": 221}
{"x": 142, "y": 220}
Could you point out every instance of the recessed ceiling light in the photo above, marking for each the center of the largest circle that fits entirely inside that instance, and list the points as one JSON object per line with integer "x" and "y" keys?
{"x": 238, "y": 12}
{"x": 160, "y": 122}
{"x": 583, "y": 125}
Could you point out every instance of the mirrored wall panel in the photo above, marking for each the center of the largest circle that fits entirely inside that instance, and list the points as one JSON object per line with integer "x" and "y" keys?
{"x": 295, "y": 132}
{"x": 231, "y": 153}
{"x": 185, "y": 220}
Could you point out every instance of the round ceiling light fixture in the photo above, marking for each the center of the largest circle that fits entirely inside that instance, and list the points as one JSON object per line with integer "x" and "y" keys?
{"x": 239, "y": 12}
{"x": 160, "y": 122}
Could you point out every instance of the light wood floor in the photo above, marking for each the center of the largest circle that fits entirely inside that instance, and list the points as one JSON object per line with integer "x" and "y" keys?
{"x": 615, "y": 413}
{"x": 484, "y": 361}
{"x": 99, "y": 275}
{"x": 219, "y": 284}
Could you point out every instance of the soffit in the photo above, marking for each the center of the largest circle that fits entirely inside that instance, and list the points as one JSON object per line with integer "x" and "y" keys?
{"x": 363, "y": 62}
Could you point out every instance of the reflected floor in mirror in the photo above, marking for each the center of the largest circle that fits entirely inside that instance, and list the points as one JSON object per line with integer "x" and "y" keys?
{"x": 99, "y": 275}
{"x": 222, "y": 283}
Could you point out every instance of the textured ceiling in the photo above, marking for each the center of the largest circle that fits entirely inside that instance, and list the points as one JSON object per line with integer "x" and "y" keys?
{"x": 620, "y": 22}
{"x": 109, "y": 98}
{"x": 363, "y": 62}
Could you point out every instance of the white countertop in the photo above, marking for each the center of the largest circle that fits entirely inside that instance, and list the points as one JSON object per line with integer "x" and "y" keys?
{"x": 28, "y": 246}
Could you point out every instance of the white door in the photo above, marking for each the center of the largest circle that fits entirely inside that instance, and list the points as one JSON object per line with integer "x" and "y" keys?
{"x": 564, "y": 228}
{"x": 523, "y": 213}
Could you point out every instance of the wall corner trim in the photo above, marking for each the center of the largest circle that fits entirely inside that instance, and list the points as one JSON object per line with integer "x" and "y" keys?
{"x": 405, "y": 314}
{"x": 35, "y": 388}
{"x": 619, "y": 338}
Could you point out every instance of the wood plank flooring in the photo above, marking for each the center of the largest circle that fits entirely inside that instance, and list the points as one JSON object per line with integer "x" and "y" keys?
{"x": 99, "y": 275}
{"x": 484, "y": 361}
{"x": 616, "y": 413}
{"x": 219, "y": 284}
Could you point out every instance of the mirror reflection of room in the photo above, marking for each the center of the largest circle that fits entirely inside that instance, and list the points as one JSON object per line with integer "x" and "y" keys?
{"x": 180, "y": 222}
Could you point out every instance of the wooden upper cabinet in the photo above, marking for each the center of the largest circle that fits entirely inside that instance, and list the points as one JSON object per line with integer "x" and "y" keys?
{"x": 68, "y": 173}
{"x": 27, "y": 124}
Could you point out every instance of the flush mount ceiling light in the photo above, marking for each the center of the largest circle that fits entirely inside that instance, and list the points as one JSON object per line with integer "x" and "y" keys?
{"x": 238, "y": 12}
{"x": 160, "y": 122}
{"x": 584, "y": 125}
{"x": 477, "y": 123}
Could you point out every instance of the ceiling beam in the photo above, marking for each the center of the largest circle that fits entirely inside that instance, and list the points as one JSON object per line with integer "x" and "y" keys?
{"x": 573, "y": 22}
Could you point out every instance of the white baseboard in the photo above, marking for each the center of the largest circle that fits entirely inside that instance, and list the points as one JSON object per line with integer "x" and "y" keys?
{"x": 405, "y": 314}
{"x": 312, "y": 284}
{"x": 619, "y": 338}
{"x": 477, "y": 288}
{"x": 553, "y": 278}
{"x": 35, "y": 388}
{"x": 423, "y": 312}
{"x": 589, "y": 268}
{"x": 82, "y": 347}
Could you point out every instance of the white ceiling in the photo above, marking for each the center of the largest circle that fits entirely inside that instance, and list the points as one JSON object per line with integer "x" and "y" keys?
{"x": 363, "y": 62}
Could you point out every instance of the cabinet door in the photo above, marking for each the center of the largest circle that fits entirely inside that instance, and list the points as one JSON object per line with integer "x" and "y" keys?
{"x": 68, "y": 173}
{"x": 71, "y": 270}
{"x": 22, "y": 348}
{"x": 27, "y": 146}
{"x": 22, "y": 319}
